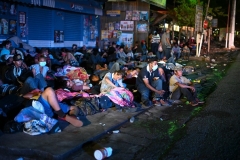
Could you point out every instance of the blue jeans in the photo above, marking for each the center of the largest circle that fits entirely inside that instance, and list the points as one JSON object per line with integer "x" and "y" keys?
{"x": 48, "y": 109}
{"x": 159, "y": 55}
{"x": 55, "y": 62}
{"x": 166, "y": 51}
{"x": 145, "y": 92}
{"x": 33, "y": 83}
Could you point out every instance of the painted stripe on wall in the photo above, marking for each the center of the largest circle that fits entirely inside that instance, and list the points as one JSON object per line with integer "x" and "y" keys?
{"x": 46, "y": 43}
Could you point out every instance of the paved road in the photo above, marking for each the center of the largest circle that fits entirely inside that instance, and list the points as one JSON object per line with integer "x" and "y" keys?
{"x": 213, "y": 134}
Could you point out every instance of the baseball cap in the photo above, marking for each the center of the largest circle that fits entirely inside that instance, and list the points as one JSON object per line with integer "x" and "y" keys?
{"x": 8, "y": 56}
{"x": 177, "y": 68}
{"x": 17, "y": 57}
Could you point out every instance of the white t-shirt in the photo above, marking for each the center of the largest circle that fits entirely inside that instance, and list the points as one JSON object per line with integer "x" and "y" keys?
{"x": 174, "y": 79}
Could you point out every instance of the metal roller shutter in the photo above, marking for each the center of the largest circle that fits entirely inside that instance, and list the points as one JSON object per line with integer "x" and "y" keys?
{"x": 72, "y": 27}
{"x": 40, "y": 24}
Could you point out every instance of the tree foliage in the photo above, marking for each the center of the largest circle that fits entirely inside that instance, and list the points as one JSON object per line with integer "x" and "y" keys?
{"x": 184, "y": 12}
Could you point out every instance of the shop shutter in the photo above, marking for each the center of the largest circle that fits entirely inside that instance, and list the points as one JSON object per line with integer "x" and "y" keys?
{"x": 72, "y": 27}
{"x": 40, "y": 24}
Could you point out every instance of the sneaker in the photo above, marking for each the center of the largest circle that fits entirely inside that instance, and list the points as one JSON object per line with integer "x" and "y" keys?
{"x": 200, "y": 102}
{"x": 194, "y": 103}
{"x": 74, "y": 121}
{"x": 157, "y": 103}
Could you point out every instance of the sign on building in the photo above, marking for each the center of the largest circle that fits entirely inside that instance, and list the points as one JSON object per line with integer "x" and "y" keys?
{"x": 214, "y": 23}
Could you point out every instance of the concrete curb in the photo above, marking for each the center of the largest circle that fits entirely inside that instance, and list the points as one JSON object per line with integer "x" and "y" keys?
{"x": 65, "y": 155}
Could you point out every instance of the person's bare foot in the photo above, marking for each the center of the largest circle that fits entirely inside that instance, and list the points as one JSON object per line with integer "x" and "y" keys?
{"x": 74, "y": 121}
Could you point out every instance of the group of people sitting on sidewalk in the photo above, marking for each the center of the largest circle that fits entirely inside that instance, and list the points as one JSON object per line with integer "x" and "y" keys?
{"x": 115, "y": 74}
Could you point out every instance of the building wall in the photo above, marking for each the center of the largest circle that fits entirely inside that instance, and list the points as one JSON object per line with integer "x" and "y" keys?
{"x": 43, "y": 22}
{"x": 123, "y": 7}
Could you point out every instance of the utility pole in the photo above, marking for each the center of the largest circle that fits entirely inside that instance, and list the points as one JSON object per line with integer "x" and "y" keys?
{"x": 232, "y": 25}
{"x": 200, "y": 46}
{"x": 227, "y": 34}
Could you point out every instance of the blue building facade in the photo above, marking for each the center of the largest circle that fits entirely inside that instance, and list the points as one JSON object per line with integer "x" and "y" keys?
{"x": 51, "y": 23}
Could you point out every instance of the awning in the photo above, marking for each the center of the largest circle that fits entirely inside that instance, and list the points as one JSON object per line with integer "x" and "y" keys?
{"x": 63, "y": 5}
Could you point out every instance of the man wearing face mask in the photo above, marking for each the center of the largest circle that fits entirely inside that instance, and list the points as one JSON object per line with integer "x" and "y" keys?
{"x": 19, "y": 75}
{"x": 149, "y": 80}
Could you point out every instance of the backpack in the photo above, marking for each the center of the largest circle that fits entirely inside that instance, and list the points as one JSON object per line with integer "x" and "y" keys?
{"x": 92, "y": 105}
{"x": 87, "y": 106}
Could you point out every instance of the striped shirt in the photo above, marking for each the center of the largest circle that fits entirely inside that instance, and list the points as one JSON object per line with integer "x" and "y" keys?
{"x": 156, "y": 38}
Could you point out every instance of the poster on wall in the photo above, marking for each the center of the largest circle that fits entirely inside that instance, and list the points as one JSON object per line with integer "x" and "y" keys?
{"x": 4, "y": 26}
{"x": 144, "y": 15}
{"x": 126, "y": 39}
{"x": 142, "y": 27}
{"x": 128, "y": 15}
{"x": 104, "y": 34}
{"x": 4, "y": 7}
{"x": 96, "y": 29}
{"x": 117, "y": 26}
{"x": 111, "y": 26}
{"x": 110, "y": 34}
{"x": 13, "y": 10}
{"x": 13, "y": 27}
{"x": 135, "y": 15}
{"x": 58, "y": 36}
{"x": 22, "y": 24}
{"x": 119, "y": 33}
{"x": 86, "y": 24}
{"x": 93, "y": 32}
{"x": 126, "y": 25}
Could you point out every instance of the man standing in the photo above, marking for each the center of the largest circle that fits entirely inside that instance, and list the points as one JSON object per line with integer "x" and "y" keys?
{"x": 155, "y": 42}
{"x": 149, "y": 80}
{"x": 180, "y": 85}
{"x": 166, "y": 45}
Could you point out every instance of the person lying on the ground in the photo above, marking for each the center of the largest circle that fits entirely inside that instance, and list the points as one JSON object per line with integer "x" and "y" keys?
{"x": 180, "y": 85}
{"x": 52, "y": 106}
{"x": 148, "y": 80}
{"x": 74, "y": 85}
{"x": 111, "y": 80}
{"x": 19, "y": 75}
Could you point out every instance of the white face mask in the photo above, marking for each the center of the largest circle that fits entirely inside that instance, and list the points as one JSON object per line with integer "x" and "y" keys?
{"x": 42, "y": 64}
{"x": 155, "y": 67}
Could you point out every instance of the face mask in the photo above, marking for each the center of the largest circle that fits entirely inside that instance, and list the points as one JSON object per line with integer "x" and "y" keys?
{"x": 155, "y": 67}
{"x": 42, "y": 64}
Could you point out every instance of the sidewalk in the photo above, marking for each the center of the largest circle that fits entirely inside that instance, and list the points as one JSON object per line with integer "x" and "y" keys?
{"x": 60, "y": 145}
{"x": 71, "y": 139}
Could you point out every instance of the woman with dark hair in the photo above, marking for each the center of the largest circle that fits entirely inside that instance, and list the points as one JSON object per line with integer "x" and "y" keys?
{"x": 68, "y": 58}
{"x": 112, "y": 80}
